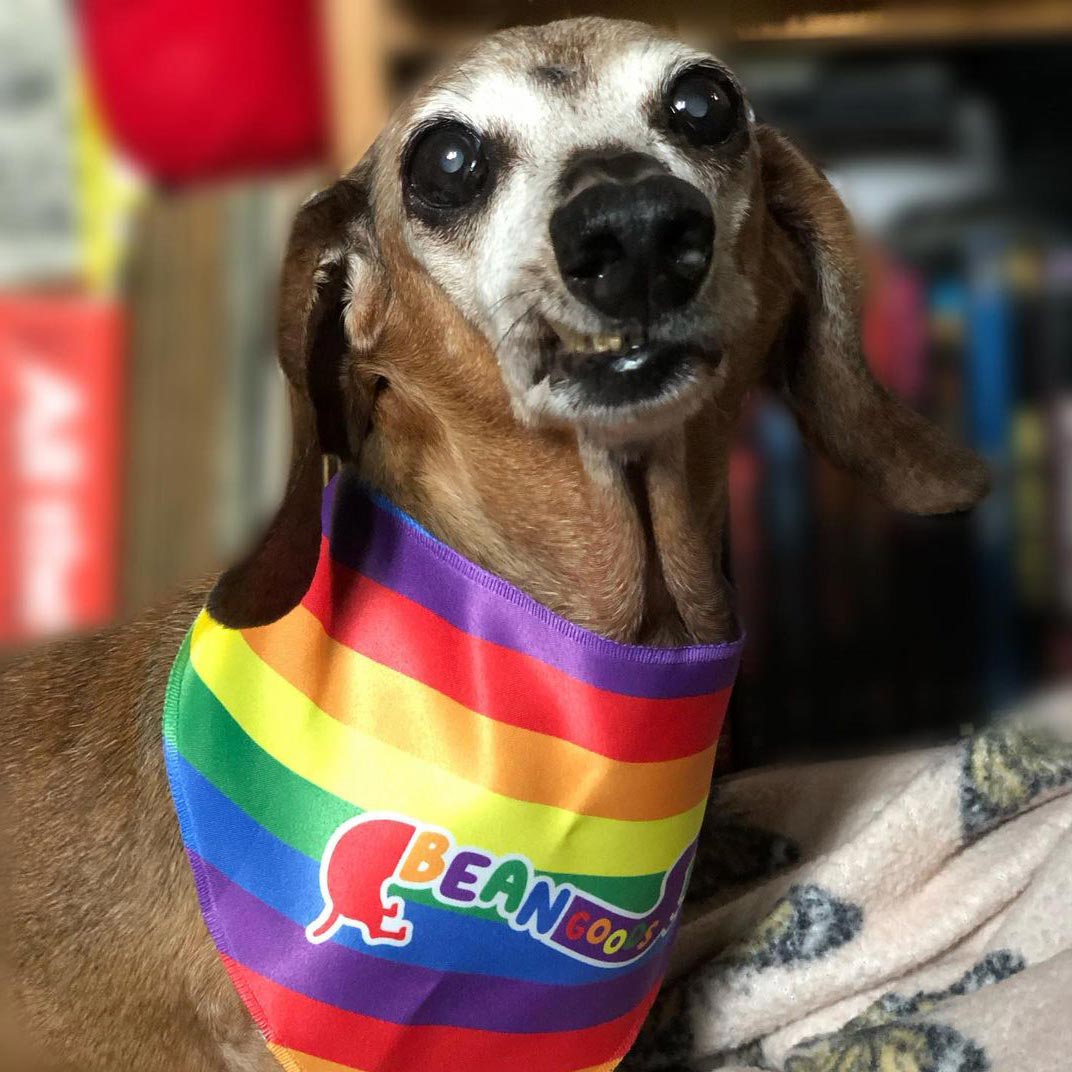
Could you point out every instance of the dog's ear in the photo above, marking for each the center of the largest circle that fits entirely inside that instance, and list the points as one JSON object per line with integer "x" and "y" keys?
{"x": 331, "y": 310}
{"x": 820, "y": 367}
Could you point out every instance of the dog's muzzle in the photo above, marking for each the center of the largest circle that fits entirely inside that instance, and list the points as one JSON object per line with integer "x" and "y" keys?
{"x": 632, "y": 241}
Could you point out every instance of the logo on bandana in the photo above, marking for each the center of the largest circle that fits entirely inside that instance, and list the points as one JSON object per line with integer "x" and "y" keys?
{"x": 370, "y": 858}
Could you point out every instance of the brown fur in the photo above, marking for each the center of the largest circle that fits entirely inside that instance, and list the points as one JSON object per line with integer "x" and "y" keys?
{"x": 112, "y": 966}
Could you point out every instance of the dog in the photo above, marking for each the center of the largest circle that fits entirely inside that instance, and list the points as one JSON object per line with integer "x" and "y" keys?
{"x": 530, "y": 318}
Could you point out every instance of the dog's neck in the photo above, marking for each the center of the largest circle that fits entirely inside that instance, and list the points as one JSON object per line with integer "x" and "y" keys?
{"x": 628, "y": 547}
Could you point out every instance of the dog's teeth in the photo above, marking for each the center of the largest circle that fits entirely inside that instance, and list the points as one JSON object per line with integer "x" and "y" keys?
{"x": 602, "y": 344}
{"x": 573, "y": 341}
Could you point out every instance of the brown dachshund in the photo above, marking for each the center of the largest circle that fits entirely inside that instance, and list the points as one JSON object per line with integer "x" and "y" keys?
{"x": 531, "y": 317}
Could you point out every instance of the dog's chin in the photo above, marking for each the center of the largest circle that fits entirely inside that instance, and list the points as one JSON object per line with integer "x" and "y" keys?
{"x": 616, "y": 388}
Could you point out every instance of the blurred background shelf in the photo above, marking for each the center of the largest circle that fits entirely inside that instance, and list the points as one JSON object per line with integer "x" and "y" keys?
{"x": 943, "y": 24}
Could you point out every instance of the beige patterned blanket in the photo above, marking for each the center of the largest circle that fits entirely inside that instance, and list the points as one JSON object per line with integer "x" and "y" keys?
{"x": 904, "y": 914}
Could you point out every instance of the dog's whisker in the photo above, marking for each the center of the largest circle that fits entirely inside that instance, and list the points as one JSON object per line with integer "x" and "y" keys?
{"x": 506, "y": 334}
{"x": 524, "y": 293}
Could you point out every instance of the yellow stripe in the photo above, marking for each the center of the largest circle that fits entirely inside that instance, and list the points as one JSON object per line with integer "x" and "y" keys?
{"x": 375, "y": 776}
{"x": 516, "y": 762}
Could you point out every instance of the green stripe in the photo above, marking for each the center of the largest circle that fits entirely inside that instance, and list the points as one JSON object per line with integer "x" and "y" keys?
{"x": 294, "y": 810}
{"x": 303, "y": 815}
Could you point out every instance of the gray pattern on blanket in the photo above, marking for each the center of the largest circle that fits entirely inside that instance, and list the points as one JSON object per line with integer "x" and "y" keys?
{"x": 995, "y": 967}
{"x": 881, "y": 1038}
{"x": 807, "y": 923}
{"x": 1004, "y": 770}
{"x": 896, "y": 1047}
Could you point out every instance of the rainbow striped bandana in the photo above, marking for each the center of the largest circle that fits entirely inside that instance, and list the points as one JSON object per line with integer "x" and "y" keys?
{"x": 432, "y": 824}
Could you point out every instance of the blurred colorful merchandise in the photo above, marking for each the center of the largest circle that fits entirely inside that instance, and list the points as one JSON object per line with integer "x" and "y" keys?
{"x": 65, "y": 199}
{"x": 65, "y": 205}
{"x": 193, "y": 89}
{"x": 109, "y": 193}
{"x": 39, "y": 236}
{"x": 60, "y": 387}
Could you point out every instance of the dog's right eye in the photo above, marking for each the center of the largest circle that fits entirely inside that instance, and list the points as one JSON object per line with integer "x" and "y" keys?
{"x": 703, "y": 107}
{"x": 447, "y": 167}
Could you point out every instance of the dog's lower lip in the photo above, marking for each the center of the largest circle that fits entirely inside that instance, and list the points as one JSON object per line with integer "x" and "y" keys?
{"x": 643, "y": 373}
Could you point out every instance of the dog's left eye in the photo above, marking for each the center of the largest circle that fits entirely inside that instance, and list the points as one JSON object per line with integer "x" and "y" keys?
{"x": 703, "y": 107}
{"x": 447, "y": 166}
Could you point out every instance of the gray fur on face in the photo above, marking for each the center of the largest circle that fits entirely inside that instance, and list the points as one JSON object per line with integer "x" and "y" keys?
{"x": 548, "y": 93}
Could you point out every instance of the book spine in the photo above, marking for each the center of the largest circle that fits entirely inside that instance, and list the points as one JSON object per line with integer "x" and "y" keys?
{"x": 989, "y": 383}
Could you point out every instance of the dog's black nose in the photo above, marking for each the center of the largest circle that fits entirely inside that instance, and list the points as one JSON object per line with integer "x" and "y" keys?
{"x": 631, "y": 240}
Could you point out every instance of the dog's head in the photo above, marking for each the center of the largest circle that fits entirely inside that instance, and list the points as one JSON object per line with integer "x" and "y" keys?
{"x": 579, "y": 192}
{"x": 578, "y": 232}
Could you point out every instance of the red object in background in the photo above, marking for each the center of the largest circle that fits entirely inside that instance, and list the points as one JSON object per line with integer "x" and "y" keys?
{"x": 895, "y": 327}
{"x": 193, "y": 89}
{"x": 60, "y": 387}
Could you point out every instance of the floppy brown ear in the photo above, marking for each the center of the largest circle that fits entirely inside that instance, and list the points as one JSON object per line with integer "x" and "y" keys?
{"x": 820, "y": 366}
{"x": 328, "y": 257}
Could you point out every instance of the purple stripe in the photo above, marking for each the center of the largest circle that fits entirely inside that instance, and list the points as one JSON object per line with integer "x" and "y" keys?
{"x": 273, "y": 946}
{"x": 393, "y": 550}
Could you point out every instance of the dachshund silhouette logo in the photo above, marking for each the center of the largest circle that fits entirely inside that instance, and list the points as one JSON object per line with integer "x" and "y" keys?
{"x": 358, "y": 867}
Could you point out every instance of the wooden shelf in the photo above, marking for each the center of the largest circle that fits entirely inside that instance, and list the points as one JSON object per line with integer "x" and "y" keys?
{"x": 941, "y": 23}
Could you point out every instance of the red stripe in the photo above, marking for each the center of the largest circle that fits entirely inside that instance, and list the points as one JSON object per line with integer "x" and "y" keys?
{"x": 300, "y": 1023}
{"x": 506, "y": 685}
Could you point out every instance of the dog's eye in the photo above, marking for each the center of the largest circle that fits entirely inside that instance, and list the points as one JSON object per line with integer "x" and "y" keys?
{"x": 703, "y": 107}
{"x": 447, "y": 166}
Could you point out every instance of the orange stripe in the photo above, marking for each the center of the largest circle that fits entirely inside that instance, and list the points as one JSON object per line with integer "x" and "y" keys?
{"x": 515, "y": 762}
{"x": 304, "y": 1062}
